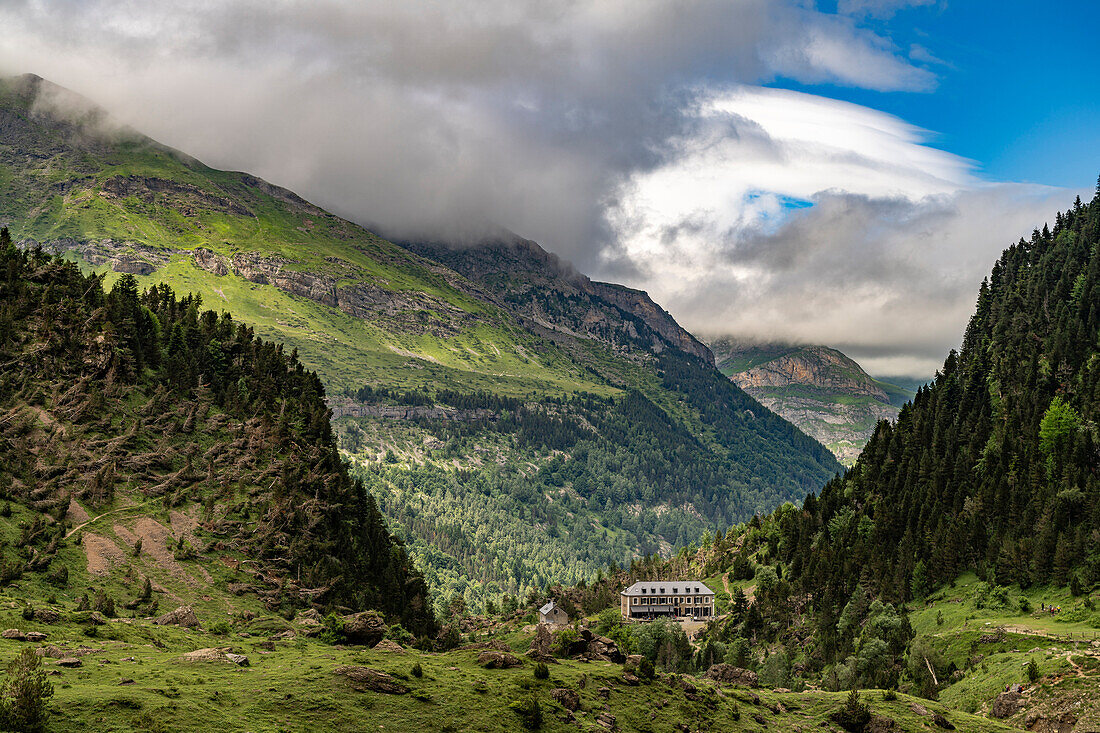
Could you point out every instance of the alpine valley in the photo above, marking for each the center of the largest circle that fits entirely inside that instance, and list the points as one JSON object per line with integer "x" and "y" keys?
{"x": 262, "y": 469}
{"x": 494, "y": 401}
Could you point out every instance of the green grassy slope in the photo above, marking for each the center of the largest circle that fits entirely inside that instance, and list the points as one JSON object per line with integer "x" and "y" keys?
{"x": 65, "y": 184}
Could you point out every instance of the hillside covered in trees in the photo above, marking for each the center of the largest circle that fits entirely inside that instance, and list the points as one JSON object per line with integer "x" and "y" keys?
{"x": 140, "y": 406}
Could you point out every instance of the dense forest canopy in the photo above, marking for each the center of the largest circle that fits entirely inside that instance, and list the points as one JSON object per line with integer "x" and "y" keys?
{"x": 992, "y": 467}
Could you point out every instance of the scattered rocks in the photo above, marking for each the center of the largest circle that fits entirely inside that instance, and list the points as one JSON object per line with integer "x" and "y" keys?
{"x": 367, "y": 627}
{"x": 70, "y": 662}
{"x": 498, "y": 660}
{"x": 283, "y": 636}
{"x": 36, "y": 637}
{"x": 606, "y": 721}
{"x": 731, "y": 675}
{"x": 238, "y": 659}
{"x": 15, "y": 634}
{"x": 365, "y": 678}
{"x": 631, "y": 679}
{"x": 604, "y": 692}
{"x": 387, "y": 645}
{"x": 568, "y": 699}
{"x": 183, "y": 616}
{"x": 1006, "y": 704}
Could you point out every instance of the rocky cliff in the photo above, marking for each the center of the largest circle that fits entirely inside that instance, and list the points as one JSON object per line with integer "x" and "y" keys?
{"x": 549, "y": 293}
{"x": 819, "y": 389}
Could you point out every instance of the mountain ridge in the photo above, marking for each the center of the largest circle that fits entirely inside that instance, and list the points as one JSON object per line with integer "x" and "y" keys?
{"x": 818, "y": 388}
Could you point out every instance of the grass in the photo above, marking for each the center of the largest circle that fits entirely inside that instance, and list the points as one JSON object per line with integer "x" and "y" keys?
{"x": 293, "y": 686}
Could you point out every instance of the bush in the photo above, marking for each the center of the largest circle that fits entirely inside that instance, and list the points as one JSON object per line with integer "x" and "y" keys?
{"x": 25, "y": 695}
{"x": 542, "y": 672}
{"x": 529, "y": 712}
{"x": 449, "y": 638}
{"x": 645, "y": 669}
{"x": 890, "y": 695}
{"x": 1025, "y": 605}
{"x": 562, "y": 640}
{"x": 1032, "y": 670}
{"x": 854, "y": 715}
{"x": 417, "y": 671}
{"x": 332, "y": 631}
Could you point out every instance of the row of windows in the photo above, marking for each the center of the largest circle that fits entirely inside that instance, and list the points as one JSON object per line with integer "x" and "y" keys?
{"x": 689, "y": 600}
{"x": 674, "y": 590}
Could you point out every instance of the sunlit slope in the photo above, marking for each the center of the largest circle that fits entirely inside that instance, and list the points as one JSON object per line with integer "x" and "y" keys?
{"x": 359, "y": 308}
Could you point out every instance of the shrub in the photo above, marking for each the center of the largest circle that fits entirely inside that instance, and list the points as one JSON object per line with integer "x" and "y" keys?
{"x": 1025, "y": 605}
{"x": 1032, "y": 670}
{"x": 563, "y": 639}
{"x": 529, "y": 712}
{"x": 890, "y": 695}
{"x": 542, "y": 672}
{"x": 645, "y": 669}
{"x": 417, "y": 671}
{"x": 854, "y": 715}
{"x": 332, "y": 631}
{"x": 25, "y": 695}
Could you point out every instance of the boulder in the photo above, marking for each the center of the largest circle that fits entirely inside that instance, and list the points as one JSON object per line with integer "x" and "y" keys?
{"x": 36, "y": 636}
{"x": 15, "y": 634}
{"x": 367, "y": 627}
{"x": 1005, "y": 705}
{"x": 880, "y": 724}
{"x": 70, "y": 662}
{"x": 942, "y": 722}
{"x": 183, "y": 616}
{"x": 386, "y": 645}
{"x": 283, "y": 636}
{"x": 238, "y": 659}
{"x": 125, "y": 681}
{"x": 497, "y": 660}
{"x": 46, "y": 615}
{"x": 542, "y": 644}
{"x": 310, "y": 614}
{"x": 365, "y": 678}
{"x": 731, "y": 675}
{"x": 568, "y": 699}
{"x": 630, "y": 679}
{"x": 606, "y": 721}
{"x": 205, "y": 655}
{"x": 633, "y": 662}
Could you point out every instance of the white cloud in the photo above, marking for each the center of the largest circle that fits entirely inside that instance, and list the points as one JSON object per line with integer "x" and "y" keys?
{"x": 886, "y": 261}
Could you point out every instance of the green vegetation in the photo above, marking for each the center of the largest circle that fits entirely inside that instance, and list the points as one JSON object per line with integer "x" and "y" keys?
{"x": 134, "y": 404}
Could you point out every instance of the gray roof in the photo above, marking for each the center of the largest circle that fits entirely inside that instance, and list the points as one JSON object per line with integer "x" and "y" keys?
{"x": 668, "y": 588}
{"x": 547, "y": 608}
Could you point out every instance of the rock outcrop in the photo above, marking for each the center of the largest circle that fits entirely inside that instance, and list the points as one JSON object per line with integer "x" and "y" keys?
{"x": 366, "y": 627}
{"x": 491, "y": 659}
{"x": 183, "y": 616}
{"x": 363, "y": 679}
{"x": 731, "y": 675}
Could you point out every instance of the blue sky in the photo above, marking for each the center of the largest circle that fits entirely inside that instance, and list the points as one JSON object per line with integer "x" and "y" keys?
{"x": 1018, "y": 91}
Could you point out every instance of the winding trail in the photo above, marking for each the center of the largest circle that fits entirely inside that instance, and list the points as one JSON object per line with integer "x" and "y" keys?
{"x": 82, "y": 525}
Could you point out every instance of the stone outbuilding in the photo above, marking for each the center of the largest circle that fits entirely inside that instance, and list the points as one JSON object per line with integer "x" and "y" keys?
{"x": 552, "y": 613}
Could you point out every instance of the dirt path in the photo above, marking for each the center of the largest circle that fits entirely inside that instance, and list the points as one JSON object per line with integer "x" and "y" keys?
{"x": 82, "y": 525}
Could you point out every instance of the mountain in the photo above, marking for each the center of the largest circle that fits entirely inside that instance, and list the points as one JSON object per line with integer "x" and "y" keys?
{"x": 503, "y": 409}
{"x": 819, "y": 389}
